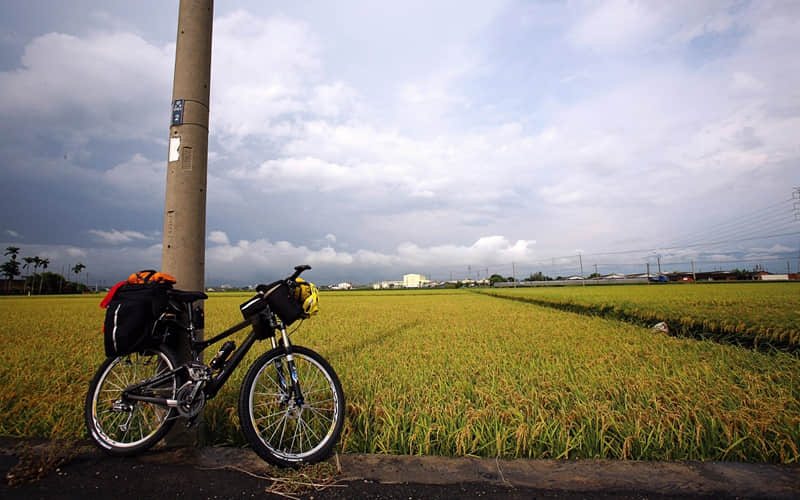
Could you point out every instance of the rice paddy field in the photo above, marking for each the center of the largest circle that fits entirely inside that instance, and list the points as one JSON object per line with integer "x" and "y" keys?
{"x": 752, "y": 313}
{"x": 459, "y": 373}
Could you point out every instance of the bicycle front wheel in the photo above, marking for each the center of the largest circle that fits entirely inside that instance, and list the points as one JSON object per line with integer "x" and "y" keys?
{"x": 283, "y": 429}
{"x": 123, "y": 427}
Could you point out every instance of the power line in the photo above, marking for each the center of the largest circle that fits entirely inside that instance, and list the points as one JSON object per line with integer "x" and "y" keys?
{"x": 731, "y": 226}
{"x": 735, "y": 221}
{"x": 777, "y": 220}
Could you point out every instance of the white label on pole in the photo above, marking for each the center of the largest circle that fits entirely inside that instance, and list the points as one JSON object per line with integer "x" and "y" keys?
{"x": 174, "y": 148}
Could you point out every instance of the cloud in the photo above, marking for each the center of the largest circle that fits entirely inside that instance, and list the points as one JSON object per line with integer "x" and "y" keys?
{"x": 333, "y": 100}
{"x": 263, "y": 69}
{"x": 13, "y": 233}
{"x": 774, "y": 249}
{"x": 386, "y": 166}
{"x": 628, "y": 27}
{"x": 614, "y": 24}
{"x": 218, "y": 237}
{"x": 115, "y": 237}
{"x": 247, "y": 259}
{"x": 137, "y": 181}
{"x": 98, "y": 86}
{"x": 74, "y": 252}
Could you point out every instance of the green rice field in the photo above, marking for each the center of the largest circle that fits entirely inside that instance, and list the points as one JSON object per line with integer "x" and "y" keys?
{"x": 458, "y": 373}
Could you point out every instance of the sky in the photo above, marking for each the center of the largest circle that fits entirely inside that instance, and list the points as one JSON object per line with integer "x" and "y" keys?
{"x": 373, "y": 139}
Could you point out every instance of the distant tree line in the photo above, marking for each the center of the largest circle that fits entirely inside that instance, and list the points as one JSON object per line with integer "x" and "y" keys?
{"x": 537, "y": 276}
{"x": 36, "y": 282}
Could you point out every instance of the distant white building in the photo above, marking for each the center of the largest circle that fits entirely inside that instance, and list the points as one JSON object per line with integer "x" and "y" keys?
{"x": 773, "y": 277}
{"x": 342, "y": 286}
{"x": 413, "y": 280}
{"x": 383, "y": 285}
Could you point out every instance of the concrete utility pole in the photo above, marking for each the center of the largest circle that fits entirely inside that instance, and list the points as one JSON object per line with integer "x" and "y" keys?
{"x": 183, "y": 254}
{"x": 184, "y": 251}
{"x": 514, "y": 273}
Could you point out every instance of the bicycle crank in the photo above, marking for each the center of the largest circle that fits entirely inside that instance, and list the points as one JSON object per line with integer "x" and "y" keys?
{"x": 190, "y": 401}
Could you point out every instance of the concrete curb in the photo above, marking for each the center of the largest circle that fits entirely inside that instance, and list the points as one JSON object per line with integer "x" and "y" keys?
{"x": 706, "y": 479}
{"x": 587, "y": 476}
{"x": 728, "y": 479}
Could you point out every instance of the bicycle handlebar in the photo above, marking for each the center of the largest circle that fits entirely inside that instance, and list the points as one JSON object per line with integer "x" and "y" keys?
{"x": 297, "y": 270}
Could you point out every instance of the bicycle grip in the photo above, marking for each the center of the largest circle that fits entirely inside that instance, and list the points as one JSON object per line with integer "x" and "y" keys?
{"x": 298, "y": 270}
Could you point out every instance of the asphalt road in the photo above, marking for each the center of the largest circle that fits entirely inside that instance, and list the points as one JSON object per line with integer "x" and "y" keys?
{"x": 81, "y": 472}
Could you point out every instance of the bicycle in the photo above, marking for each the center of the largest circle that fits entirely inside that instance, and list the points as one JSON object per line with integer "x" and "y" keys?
{"x": 291, "y": 403}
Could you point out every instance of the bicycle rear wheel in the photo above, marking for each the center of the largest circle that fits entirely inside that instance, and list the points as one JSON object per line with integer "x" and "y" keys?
{"x": 122, "y": 427}
{"x": 280, "y": 430}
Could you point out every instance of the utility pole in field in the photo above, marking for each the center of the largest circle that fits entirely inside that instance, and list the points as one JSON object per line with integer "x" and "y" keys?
{"x": 796, "y": 209}
{"x": 183, "y": 252}
{"x": 514, "y": 273}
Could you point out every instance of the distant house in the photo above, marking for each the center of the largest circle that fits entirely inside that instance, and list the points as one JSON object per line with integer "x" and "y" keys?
{"x": 764, "y": 276}
{"x": 413, "y": 280}
{"x": 384, "y": 285}
{"x": 342, "y": 286}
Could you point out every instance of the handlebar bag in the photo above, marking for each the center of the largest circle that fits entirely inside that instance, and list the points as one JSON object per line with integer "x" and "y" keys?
{"x": 130, "y": 318}
{"x": 281, "y": 301}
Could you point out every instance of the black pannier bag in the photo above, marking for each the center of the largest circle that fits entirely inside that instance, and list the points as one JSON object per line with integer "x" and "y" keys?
{"x": 280, "y": 301}
{"x": 131, "y": 316}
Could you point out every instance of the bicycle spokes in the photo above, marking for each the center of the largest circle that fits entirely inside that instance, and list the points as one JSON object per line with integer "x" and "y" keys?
{"x": 118, "y": 422}
{"x": 294, "y": 418}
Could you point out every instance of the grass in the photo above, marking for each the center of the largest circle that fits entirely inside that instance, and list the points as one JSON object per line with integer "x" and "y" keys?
{"x": 455, "y": 373}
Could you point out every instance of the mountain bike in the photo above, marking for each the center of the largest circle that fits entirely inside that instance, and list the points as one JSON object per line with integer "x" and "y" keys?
{"x": 291, "y": 403}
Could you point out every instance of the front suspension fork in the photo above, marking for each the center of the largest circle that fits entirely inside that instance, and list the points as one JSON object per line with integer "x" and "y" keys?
{"x": 291, "y": 386}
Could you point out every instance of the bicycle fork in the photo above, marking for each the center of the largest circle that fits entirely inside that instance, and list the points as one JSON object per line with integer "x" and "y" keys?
{"x": 290, "y": 388}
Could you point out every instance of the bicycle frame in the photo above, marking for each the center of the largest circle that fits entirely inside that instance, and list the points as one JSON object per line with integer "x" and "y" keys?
{"x": 263, "y": 322}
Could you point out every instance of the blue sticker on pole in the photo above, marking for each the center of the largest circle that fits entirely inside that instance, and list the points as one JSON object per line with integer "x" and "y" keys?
{"x": 177, "y": 112}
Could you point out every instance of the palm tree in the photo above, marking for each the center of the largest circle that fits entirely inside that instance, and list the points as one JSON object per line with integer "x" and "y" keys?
{"x": 79, "y": 267}
{"x": 37, "y": 261}
{"x": 30, "y": 262}
{"x": 11, "y": 268}
{"x": 43, "y": 263}
{"x": 13, "y": 252}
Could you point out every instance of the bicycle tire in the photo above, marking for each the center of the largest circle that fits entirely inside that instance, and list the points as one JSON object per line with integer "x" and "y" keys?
{"x": 129, "y": 428}
{"x": 279, "y": 431}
